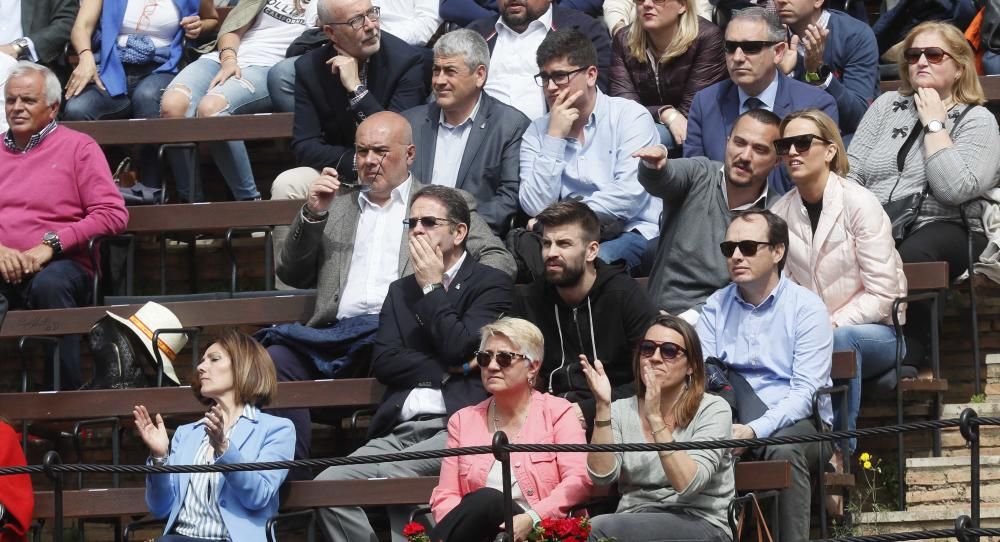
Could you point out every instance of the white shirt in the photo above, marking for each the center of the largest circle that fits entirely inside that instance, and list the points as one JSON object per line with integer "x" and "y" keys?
{"x": 513, "y": 66}
{"x": 824, "y": 19}
{"x": 450, "y": 148}
{"x": 10, "y": 30}
{"x": 413, "y": 21}
{"x": 158, "y": 20}
{"x": 274, "y": 29}
{"x": 429, "y": 400}
{"x": 375, "y": 258}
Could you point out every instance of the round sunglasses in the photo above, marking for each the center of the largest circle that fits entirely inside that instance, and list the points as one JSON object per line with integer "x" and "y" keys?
{"x": 668, "y": 350}
{"x": 504, "y": 359}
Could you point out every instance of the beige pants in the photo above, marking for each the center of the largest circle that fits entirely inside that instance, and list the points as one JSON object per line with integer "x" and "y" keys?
{"x": 290, "y": 184}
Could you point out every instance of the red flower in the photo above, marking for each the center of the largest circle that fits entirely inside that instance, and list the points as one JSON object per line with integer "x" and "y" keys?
{"x": 413, "y": 528}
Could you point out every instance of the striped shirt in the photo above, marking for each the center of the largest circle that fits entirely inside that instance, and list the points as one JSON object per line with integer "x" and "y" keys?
{"x": 200, "y": 515}
{"x": 33, "y": 141}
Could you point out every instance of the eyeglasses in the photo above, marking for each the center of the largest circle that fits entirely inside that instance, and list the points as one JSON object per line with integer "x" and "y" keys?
{"x": 357, "y": 22}
{"x": 504, "y": 359}
{"x": 655, "y": 2}
{"x": 800, "y": 142}
{"x": 427, "y": 222}
{"x": 668, "y": 351}
{"x": 747, "y": 248}
{"x": 560, "y": 78}
{"x": 934, "y": 54}
{"x": 748, "y": 47}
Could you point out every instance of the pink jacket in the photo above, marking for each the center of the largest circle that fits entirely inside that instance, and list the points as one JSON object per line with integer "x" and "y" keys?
{"x": 551, "y": 483}
{"x": 851, "y": 261}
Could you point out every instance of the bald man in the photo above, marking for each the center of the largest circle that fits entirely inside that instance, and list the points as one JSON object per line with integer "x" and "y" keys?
{"x": 349, "y": 243}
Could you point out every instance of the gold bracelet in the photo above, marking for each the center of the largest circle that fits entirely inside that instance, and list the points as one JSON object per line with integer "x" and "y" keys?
{"x": 602, "y": 423}
{"x": 660, "y": 429}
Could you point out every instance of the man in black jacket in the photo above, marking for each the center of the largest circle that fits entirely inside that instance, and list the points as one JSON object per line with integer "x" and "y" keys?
{"x": 578, "y": 296}
{"x": 428, "y": 331}
{"x": 43, "y": 33}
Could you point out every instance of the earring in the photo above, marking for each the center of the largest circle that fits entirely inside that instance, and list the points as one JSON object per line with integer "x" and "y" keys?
{"x": 687, "y": 382}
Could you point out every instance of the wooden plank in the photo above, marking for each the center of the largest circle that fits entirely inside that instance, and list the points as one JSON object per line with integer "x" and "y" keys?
{"x": 844, "y": 366}
{"x": 211, "y": 216}
{"x": 937, "y": 385}
{"x": 763, "y": 475}
{"x": 93, "y": 503}
{"x": 187, "y": 130}
{"x": 990, "y": 83}
{"x": 223, "y": 312}
{"x": 835, "y": 479}
{"x": 326, "y": 493}
{"x": 926, "y": 276}
{"x": 78, "y": 405}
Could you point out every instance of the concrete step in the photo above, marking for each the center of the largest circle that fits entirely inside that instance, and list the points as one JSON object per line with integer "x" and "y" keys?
{"x": 941, "y": 517}
{"x": 945, "y": 481}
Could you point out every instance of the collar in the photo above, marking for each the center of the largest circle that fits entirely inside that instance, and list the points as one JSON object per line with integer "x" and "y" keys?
{"x": 600, "y": 109}
{"x": 545, "y": 22}
{"x": 250, "y": 412}
{"x": 822, "y": 22}
{"x": 768, "y": 96}
{"x": 469, "y": 119}
{"x": 33, "y": 141}
{"x": 449, "y": 275}
{"x": 759, "y": 203}
{"x": 769, "y": 300}
{"x": 400, "y": 194}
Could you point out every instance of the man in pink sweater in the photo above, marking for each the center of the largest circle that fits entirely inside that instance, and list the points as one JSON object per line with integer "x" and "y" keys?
{"x": 57, "y": 194}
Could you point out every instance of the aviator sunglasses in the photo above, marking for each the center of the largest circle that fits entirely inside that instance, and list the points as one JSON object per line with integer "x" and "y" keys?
{"x": 504, "y": 359}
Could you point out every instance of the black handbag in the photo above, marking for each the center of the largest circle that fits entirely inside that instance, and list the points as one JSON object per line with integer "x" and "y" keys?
{"x": 120, "y": 362}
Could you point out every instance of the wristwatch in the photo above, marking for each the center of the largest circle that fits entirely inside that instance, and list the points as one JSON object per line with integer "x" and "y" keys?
{"x": 431, "y": 287}
{"x": 358, "y": 91}
{"x": 21, "y": 47}
{"x": 51, "y": 239}
{"x": 933, "y": 127}
{"x": 819, "y": 76}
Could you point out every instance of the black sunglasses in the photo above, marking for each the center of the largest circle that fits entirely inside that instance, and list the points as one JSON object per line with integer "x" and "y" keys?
{"x": 800, "y": 142}
{"x": 427, "y": 222}
{"x": 934, "y": 54}
{"x": 504, "y": 359}
{"x": 748, "y": 47}
{"x": 747, "y": 248}
{"x": 668, "y": 350}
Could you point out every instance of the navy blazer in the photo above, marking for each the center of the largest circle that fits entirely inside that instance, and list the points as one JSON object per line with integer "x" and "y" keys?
{"x": 490, "y": 167}
{"x": 247, "y": 499}
{"x": 324, "y": 126}
{"x": 715, "y": 108}
{"x": 420, "y": 336}
{"x": 851, "y": 53}
{"x": 563, "y": 18}
{"x": 463, "y": 12}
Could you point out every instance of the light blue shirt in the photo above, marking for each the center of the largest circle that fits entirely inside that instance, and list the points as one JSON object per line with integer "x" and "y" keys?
{"x": 450, "y": 147}
{"x": 768, "y": 96}
{"x": 782, "y": 347}
{"x": 601, "y": 171}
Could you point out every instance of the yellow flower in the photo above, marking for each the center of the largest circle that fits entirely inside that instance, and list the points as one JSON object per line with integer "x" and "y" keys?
{"x": 868, "y": 465}
{"x": 865, "y": 457}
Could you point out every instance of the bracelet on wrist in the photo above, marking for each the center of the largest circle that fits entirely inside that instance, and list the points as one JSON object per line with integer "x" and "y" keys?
{"x": 660, "y": 429}
{"x": 78, "y": 53}
{"x": 224, "y": 49}
{"x": 602, "y": 423}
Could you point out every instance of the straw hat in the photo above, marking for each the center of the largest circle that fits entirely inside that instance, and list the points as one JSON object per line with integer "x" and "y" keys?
{"x": 151, "y": 317}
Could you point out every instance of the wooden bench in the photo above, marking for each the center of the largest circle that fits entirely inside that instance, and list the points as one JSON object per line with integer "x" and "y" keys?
{"x": 990, "y": 83}
{"x": 186, "y": 130}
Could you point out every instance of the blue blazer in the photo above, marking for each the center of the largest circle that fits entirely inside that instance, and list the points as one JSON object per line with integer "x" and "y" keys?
{"x": 715, "y": 108}
{"x": 851, "y": 53}
{"x": 247, "y": 498}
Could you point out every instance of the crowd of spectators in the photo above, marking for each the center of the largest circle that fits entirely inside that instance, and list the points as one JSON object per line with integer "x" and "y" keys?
{"x": 748, "y": 165}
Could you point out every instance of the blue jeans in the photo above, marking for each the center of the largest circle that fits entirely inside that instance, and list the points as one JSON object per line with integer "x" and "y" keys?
{"x": 666, "y": 138}
{"x": 281, "y": 85}
{"x": 628, "y": 246}
{"x": 141, "y": 101}
{"x": 991, "y": 63}
{"x": 874, "y": 347}
{"x": 244, "y": 96}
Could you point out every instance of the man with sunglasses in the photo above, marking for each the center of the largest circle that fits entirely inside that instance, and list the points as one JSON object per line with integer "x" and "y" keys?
{"x": 424, "y": 351}
{"x": 832, "y": 51}
{"x": 777, "y": 336}
{"x": 755, "y": 47}
{"x": 581, "y": 149}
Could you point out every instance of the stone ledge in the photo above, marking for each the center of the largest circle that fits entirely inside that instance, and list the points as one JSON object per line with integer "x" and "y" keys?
{"x": 989, "y": 408}
{"x": 955, "y": 461}
{"x": 927, "y": 518}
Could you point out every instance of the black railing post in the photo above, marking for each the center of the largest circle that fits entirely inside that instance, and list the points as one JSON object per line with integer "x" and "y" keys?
{"x": 52, "y": 458}
{"x": 961, "y": 524}
{"x": 501, "y": 454}
{"x": 970, "y": 430}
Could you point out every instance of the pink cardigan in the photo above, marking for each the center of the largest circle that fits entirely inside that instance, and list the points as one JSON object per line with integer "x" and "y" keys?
{"x": 551, "y": 483}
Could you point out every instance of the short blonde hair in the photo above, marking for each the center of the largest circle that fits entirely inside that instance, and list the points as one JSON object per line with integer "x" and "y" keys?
{"x": 967, "y": 89}
{"x": 524, "y": 335}
{"x": 687, "y": 32}
{"x": 254, "y": 379}
{"x": 828, "y": 130}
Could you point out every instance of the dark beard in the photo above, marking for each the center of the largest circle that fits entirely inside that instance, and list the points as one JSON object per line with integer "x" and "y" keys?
{"x": 569, "y": 276}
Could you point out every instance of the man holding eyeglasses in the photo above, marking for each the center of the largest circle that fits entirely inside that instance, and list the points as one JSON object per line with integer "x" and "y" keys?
{"x": 582, "y": 149}
{"x": 777, "y": 336}
{"x": 424, "y": 352}
{"x": 755, "y": 47}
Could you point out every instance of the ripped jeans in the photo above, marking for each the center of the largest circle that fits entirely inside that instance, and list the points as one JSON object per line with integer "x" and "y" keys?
{"x": 247, "y": 95}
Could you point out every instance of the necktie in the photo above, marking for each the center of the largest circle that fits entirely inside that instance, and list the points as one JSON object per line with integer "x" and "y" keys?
{"x": 753, "y": 103}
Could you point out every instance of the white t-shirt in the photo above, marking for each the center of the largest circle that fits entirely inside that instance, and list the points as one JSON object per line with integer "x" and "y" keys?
{"x": 276, "y": 27}
{"x": 157, "y": 19}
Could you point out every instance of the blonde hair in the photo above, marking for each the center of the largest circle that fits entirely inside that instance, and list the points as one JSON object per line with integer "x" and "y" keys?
{"x": 828, "y": 130}
{"x": 254, "y": 379}
{"x": 687, "y": 31}
{"x": 524, "y": 335}
{"x": 967, "y": 89}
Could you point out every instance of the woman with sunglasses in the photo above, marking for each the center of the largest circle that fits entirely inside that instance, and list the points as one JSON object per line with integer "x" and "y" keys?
{"x": 468, "y": 501}
{"x": 666, "y": 55}
{"x": 931, "y": 137}
{"x": 841, "y": 248}
{"x": 675, "y": 495}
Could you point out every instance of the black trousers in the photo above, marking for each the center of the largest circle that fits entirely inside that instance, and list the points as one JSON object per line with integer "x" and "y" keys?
{"x": 477, "y": 518}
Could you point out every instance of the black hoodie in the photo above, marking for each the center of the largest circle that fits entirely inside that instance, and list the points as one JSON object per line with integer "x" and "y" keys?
{"x": 611, "y": 320}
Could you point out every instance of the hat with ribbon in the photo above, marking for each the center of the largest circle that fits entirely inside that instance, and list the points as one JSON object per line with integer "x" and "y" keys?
{"x": 146, "y": 321}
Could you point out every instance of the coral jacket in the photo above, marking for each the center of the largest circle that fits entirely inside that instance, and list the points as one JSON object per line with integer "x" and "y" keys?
{"x": 16, "y": 494}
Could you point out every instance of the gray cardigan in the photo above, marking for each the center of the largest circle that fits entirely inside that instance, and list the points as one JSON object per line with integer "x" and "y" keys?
{"x": 641, "y": 480}
{"x": 955, "y": 175}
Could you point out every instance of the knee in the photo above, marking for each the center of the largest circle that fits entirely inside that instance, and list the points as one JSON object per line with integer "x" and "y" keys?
{"x": 485, "y": 497}
{"x": 281, "y": 76}
{"x": 175, "y": 102}
{"x": 76, "y": 109}
{"x": 211, "y": 105}
{"x": 293, "y": 183}
{"x": 145, "y": 100}
{"x": 51, "y": 289}
{"x": 793, "y": 453}
{"x": 286, "y": 363}
{"x": 601, "y": 526}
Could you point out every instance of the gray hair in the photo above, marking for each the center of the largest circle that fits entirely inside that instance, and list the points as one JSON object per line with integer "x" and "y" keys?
{"x": 466, "y": 43}
{"x": 775, "y": 31}
{"x": 53, "y": 90}
{"x": 324, "y": 11}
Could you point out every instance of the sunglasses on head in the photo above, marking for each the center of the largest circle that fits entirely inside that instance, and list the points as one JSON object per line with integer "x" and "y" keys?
{"x": 504, "y": 359}
{"x": 427, "y": 222}
{"x": 934, "y": 55}
{"x": 747, "y": 248}
{"x": 668, "y": 350}
{"x": 800, "y": 142}
{"x": 748, "y": 47}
